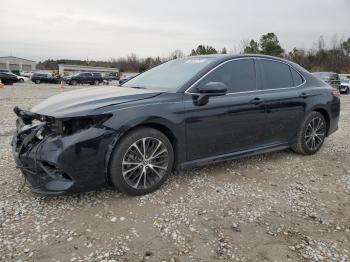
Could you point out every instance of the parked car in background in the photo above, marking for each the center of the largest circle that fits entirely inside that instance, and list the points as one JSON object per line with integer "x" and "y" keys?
{"x": 8, "y": 78}
{"x": 27, "y": 73}
{"x": 21, "y": 79}
{"x": 344, "y": 85}
{"x": 329, "y": 77}
{"x": 184, "y": 113}
{"x": 38, "y": 78}
{"x": 84, "y": 78}
{"x": 5, "y": 71}
{"x": 111, "y": 77}
{"x": 124, "y": 80}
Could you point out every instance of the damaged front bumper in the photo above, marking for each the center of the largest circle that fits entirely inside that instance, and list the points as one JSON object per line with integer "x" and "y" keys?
{"x": 56, "y": 163}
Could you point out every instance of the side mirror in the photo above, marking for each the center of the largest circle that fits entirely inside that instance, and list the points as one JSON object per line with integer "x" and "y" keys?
{"x": 209, "y": 89}
{"x": 213, "y": 89}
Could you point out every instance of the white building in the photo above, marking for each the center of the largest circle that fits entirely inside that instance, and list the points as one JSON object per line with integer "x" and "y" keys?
{"x": 13, "y": 63}
{"x": 62, "y": 68}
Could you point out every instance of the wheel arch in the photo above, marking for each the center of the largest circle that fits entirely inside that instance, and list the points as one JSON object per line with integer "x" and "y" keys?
{"x": 325, "y": 114}
{"x": 155, "y": 125}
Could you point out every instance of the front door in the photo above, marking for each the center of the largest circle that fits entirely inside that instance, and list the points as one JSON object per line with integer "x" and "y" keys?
{"x": 229, "y": 123}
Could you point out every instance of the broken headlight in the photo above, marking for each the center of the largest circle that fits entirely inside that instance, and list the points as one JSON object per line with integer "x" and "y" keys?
{"x": 69, "y": 126}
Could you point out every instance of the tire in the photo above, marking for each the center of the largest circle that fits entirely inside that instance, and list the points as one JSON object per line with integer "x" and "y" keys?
{"x": 308, "y": 142}
{"x": 21, "y": 80}
{"x": 347, "y": 91}
{"x": 74, "y": 82}
{"x": 37, "y": 81}
{"x": 96, "y": 82}
{"x": 132, "y": 178}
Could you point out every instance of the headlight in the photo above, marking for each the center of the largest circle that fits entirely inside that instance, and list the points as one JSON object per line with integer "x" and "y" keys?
{"x": 69, "y": 126}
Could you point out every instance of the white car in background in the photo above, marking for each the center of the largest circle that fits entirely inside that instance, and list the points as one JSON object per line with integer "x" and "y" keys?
{"x": 27, "y": 73}
{"x": 21, "y": 79}
{"x": 344, "y": 85}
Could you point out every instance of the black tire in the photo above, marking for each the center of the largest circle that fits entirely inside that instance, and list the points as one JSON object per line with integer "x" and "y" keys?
{"x": 96, "y": 82}
{"x": 74, "y": 82}
{"x": 21, "y": 80}
{"x": 122, "y": 151}
{"x": 305, "y": 146}
{"x": 37, "y": 81}
{"x": 347, "y": 91}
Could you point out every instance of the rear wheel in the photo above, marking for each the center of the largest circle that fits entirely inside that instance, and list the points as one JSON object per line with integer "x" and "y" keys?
{"x": 311, "y": 135}
{"x": 37, "y": 81}
{"x": 141, "y": 162}
{"x": 74, "y": 82}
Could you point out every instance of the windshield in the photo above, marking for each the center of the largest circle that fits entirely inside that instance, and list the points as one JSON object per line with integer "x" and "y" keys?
{"x": 170, "y": 76}
{"x": 345, "y": 80}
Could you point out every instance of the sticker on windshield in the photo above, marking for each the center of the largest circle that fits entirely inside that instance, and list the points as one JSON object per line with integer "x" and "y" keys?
{"x": 196, "y": 61}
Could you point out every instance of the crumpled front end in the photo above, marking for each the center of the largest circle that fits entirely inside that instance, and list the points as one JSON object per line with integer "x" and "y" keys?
{"x": 61, "y": 156}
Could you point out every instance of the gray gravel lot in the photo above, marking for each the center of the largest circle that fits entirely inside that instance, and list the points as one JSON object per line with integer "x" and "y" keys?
{"x": 273, "y": 207}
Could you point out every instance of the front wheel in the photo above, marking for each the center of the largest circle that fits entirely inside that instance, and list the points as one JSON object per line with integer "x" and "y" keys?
{"x": 311, "y": 135}
{"x": 141, "y": 162}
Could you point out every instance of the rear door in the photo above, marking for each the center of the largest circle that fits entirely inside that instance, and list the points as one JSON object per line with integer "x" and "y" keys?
{"x": 89, "y": 78}
{"x": 285, "y": 99}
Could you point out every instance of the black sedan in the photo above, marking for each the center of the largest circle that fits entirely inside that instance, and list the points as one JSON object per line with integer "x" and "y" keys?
{"x": 7, "y": 78}
{"x": 184, "y": 113}
{"x": 39, "y": 78}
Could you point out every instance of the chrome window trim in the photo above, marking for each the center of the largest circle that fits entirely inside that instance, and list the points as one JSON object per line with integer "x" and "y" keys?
{"x": 252, "y": 91}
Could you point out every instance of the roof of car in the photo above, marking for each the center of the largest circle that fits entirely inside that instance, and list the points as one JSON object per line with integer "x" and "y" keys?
{"x": 223, "y": 57}
{"x": 323, "y": 73}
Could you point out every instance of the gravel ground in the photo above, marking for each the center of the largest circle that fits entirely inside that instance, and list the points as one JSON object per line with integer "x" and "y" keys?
{"x": 273, "y": 207}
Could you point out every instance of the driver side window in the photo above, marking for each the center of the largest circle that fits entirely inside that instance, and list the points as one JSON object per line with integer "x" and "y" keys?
{"x": 238, "y": 75}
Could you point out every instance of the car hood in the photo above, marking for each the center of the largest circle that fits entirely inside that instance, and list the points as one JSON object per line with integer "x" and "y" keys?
{"x": 85, "y": 101}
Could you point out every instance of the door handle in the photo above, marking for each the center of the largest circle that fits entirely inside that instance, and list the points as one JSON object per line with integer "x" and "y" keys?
{"x": 257, "y": 101}
{"x": 304, "y": 95}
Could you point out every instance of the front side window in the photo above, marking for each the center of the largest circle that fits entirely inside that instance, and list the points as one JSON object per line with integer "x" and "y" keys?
{"x": 275, "y": 75}
{"x": 238, "y": 75}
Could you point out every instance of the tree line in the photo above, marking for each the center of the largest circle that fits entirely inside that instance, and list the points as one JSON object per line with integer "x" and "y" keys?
{"x": 335, "y": 58}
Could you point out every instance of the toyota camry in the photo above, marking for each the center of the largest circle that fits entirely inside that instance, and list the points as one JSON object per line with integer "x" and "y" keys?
{"x": 184, "y": 113}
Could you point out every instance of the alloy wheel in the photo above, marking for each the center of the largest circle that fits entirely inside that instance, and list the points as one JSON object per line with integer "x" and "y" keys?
{"x": 315, "y": 133}
{"x": 145, "y": 163}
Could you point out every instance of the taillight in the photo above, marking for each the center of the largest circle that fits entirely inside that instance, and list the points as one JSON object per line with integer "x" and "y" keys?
{"x": 335, "y": 92}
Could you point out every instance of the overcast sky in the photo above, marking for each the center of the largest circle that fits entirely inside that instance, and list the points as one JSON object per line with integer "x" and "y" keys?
{"x": 41, "y": 29}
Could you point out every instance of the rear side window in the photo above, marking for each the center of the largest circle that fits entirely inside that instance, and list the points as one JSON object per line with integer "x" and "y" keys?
{"x": 238, "y": 75}
{"x": 275, "y": 74}
{"x": 297, "y": 79}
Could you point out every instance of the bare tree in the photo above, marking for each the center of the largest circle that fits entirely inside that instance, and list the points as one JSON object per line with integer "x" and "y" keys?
{"x": 177, "y": 54}
{"x": 243, "y": 44}
{"x": 321, "y": 43}
{"x": 335, "y": 44}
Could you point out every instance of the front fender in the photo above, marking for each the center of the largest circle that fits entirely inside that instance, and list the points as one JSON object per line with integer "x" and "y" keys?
{"x": 162, "y": 115}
